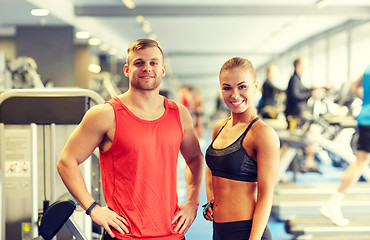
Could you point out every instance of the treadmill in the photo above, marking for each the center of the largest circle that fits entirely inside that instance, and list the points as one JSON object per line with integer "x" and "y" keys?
{"x": 316, "y": 226}
{"x": 306, "y": 200}
{"x": 333, "y": 237}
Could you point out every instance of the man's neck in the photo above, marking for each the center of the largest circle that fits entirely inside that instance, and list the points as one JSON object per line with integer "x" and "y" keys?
{"x": 147, "y": 105}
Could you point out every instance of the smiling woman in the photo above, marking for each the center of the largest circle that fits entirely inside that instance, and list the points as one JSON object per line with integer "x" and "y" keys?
{"x": 238, "y": 84}
{"x": 243, "y": 160}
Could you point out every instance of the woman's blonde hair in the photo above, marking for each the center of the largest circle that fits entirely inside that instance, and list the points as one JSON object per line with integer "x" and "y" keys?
{"x": 239, "y": 62}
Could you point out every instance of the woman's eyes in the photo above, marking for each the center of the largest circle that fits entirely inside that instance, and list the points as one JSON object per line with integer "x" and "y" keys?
{"x": 239, "y": 87}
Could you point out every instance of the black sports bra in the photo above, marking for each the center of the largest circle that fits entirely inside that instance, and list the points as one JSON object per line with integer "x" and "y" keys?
{"x": 232, "y": 162}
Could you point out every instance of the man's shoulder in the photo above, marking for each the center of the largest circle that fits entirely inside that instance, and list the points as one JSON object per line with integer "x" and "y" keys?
{"x": 104, "y": 110}
{"x": 172, "y": 104}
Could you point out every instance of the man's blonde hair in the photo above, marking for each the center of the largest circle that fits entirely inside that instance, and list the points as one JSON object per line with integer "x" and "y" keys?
{"x": 141, "y": 44}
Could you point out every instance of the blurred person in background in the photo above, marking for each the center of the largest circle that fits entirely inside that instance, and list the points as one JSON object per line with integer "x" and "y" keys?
{"x": 267, "y": 105}
{"x": 331, "y": 209}
{"x": 186, "y": 97}
{"x": 198, "y": 111}
{"x": 296, "y": 104}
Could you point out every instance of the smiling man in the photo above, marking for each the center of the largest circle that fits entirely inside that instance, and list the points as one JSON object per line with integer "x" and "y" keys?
{"x": 139, "y": 135}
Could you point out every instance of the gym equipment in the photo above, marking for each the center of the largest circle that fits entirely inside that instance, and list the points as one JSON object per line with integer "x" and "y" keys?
{"x": 319, "y": 188}
{"x": 5, "y": 74}
{"x": 299, "y": 206}
{"x": 333, "y": 237}
{"x": 19, "y": 73}
{"x": 339, "y": 146}
{"x": 321, "y": 226}
{"x": 24, "y": 71}
{"x": 34, "y": 127}
{"x": 55, "y": 217}
{"x": 332, "y": 134}
{"x": 286, "y": 206}
{"x": 2, "y": 221}
{"x": 105, "y": 85}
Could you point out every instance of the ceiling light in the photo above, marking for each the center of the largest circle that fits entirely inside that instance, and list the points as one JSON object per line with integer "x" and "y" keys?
{"x": 301, "y": 17}
{"x": 39, "y": 12}
{"x": 153, "y": 36}
{"x": 322, "y": 3}
{"x": 129, "y": 4}
{"x": 94, "y": 41}
{"x": 288, "y": 26}
{"x": 146, "y": 27}
{"x": 104, "y": 47}
{"x": 120, "y": 55}
{"x": 140, "y": 18}
{"x": 82, "y": 35}
{"x": 94, "y": 68}
{"x": 113, "y": 51}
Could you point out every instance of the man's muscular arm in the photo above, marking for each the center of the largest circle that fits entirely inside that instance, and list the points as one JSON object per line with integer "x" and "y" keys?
{"x": 81, "y": 144}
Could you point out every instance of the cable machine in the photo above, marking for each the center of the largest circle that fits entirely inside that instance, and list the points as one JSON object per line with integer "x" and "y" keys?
{"x": 34, "y": 127}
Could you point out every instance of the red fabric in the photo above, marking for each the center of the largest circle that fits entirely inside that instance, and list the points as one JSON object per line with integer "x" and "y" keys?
{"x": 139, "y": 171}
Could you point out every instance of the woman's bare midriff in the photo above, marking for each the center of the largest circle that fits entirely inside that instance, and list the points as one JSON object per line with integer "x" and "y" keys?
{"x": 234, "y": 200}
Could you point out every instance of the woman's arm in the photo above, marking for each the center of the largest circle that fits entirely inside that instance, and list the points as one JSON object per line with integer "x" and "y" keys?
{"x": 209, "y": 192}
{"x": 209, "y": 185}
{"x": 268, "y": 157}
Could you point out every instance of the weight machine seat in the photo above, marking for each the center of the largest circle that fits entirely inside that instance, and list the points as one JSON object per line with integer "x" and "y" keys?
{"x": 55, "y": 217}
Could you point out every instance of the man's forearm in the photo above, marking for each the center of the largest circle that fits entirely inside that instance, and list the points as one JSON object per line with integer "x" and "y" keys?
{"x": 194, "y": 175}
{"x": 73, "y": 179}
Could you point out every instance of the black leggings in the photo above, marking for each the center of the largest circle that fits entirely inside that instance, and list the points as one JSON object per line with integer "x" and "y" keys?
{"x": 238, "y": 230}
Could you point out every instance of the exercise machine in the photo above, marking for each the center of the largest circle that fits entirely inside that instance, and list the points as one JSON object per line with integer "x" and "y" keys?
{"x": 105, "y": 85}
{"x": 24, "y": 72}
{"x": 2, "y": 221}
{"x": 337, "y": 236}
{"x": 55, "y": 217}
{"x": 34, "y": 127}
{"x": 305, "y": 200}
{"x": 321, "y": 226}
{"x": 337, "y": 144}
{"x": 5, "y": 74}
{"x": 19, "y": 73}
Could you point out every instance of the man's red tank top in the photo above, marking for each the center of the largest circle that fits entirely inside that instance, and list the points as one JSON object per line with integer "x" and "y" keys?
{"x": 139, "y": 171}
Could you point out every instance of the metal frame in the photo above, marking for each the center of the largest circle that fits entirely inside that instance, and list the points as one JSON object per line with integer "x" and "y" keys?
{"x": 52, "y": 92}
{"x": 86, "y": 167}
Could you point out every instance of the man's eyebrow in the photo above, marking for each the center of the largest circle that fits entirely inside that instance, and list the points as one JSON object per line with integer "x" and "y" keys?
{"x": 152, "y": 59}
